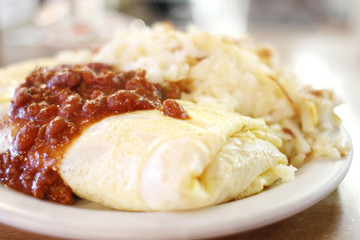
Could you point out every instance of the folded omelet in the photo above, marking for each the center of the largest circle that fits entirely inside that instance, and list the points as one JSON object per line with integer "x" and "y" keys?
{"x": 145, "y": 161}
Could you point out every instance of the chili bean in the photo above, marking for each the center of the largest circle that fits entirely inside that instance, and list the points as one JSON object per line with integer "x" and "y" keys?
{"x": 26, "y": 136}
{"x": 96, "y": 94}
{"x": 65, "y": 78}
{"x": 72, "y": 104}
{"x": 138, "y": 81}
{"x": 47, "y": 112}
{"x": 94, "y": 106}
{"x": 88, "y": 75}
{"x": 122, "y": 101}
{"x": 33, "y": 109}
{"x": 56, "y": 126}
{"x": 172, "y": 108}
{"x": 106, "y": 78}
{"x": 21, "y": 97}
{"x": 62, "y": 95}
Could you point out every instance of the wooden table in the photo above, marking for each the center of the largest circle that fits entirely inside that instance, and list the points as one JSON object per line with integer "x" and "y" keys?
{"x": 337, "y": 217}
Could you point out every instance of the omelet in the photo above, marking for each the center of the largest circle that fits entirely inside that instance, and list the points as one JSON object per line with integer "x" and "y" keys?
{"x": 145, "y": 161}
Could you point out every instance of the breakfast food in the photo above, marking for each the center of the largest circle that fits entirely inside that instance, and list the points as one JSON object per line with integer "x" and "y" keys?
{"x": 234, "y": 74}
{"x": 151, "y": 162}
{"x": 116, "y": 139}
{"x": 158, "y": 119}
{"x": 52, "y": 106}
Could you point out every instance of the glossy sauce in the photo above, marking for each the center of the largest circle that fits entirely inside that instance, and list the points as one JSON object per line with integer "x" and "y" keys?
{"x": 54, "y": 105}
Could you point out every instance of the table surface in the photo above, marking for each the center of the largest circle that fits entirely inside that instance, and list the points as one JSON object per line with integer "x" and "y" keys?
{"x": 336, "y": 58}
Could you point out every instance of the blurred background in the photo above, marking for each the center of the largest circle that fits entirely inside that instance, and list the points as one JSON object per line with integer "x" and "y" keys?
{"x": 317, "y": 39}
{"x": 31, "y": 28}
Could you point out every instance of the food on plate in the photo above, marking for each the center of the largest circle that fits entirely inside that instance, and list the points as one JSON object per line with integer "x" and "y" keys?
{"x": 114, "y": 138}
{"x": 54, "y": 105}
{"x": 234, "y": 74}
{"x": 145, "y": 161}
{"x": 159, "y": 119}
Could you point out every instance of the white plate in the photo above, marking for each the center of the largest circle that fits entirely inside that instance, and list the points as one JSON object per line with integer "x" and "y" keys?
{"x": 86, "y": 220}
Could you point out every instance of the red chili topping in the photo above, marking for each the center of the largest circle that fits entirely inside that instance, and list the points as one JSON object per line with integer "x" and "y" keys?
{"x": 172, "y": 108}
{"x": 54, "y": 105}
